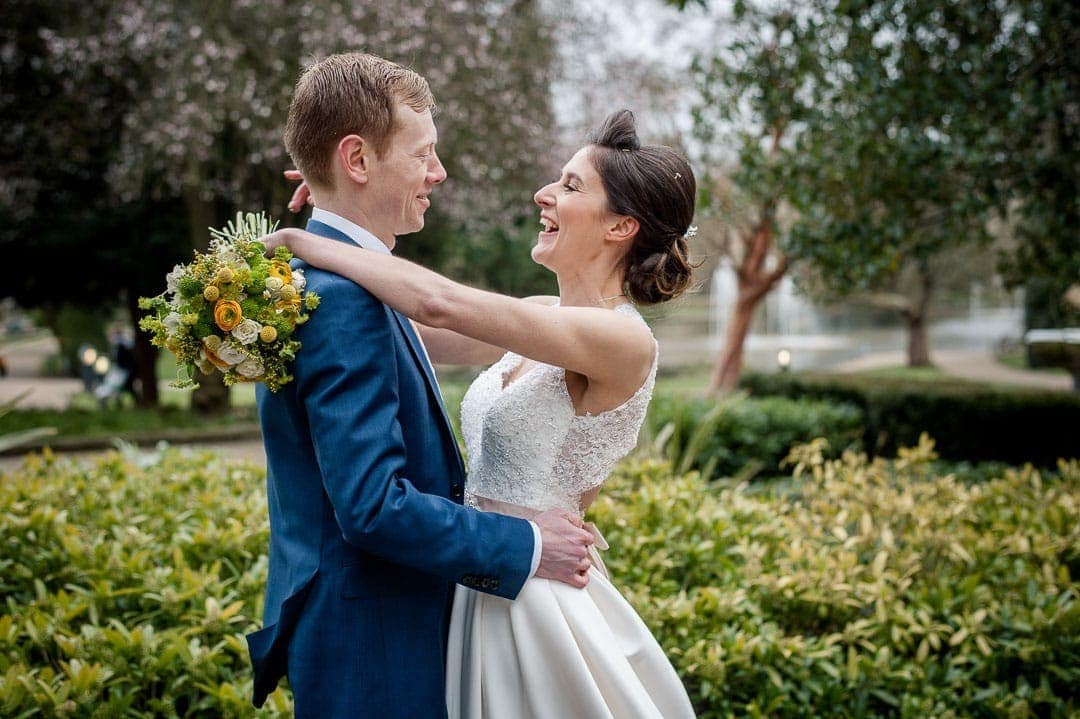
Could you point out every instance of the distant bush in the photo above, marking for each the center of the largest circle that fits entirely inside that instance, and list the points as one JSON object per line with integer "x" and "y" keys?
{"x": 969, "y": 421}
{"x": 741, "y": 436}
{"x": 94, "y": 421}
{"x": 865, "y": 589}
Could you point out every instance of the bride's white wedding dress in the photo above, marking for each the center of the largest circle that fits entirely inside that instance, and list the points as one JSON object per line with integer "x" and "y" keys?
{"x": 555, "y": 651}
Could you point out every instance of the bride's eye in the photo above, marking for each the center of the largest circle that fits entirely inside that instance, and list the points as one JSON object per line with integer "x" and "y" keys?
{"x": 569, "y": 188}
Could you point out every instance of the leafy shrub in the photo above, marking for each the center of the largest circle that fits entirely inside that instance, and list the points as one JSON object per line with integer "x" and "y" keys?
{"x": 127, "y": 587}
{"x": 865, "y": 589}
{"x": 740, "y": 436}
{"x": 969, "y": 421}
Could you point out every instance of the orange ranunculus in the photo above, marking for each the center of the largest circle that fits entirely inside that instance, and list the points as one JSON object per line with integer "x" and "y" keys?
{"x": 281, "y": 270}
{"x": 227, "y": 314}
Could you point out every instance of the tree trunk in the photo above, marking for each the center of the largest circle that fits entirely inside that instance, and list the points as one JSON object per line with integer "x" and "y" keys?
{"x": 212, "y": 396}
{"x": 728, "y": 366}
{"x": 146, "y": 355}
{"x": 918, "y": 341}
{"x": 918, "y": 348}
{"x": 755, "y": 281}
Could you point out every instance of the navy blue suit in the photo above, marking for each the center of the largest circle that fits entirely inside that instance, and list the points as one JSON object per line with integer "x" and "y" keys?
{"x": 367, "y": 531}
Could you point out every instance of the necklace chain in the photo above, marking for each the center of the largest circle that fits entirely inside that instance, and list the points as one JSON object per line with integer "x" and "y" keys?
{"x": 613, "y": 297}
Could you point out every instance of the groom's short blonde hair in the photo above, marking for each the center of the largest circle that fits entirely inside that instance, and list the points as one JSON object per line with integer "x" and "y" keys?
{"x": 348, "y": 94}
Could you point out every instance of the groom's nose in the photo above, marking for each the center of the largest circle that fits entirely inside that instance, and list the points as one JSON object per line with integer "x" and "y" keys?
{"x": 436, "y": 171}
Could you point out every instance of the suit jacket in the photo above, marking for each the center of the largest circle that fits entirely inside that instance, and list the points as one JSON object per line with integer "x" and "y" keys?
{"x": 367, "y": 531}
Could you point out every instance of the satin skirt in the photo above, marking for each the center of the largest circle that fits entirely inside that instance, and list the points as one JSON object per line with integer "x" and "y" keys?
{"x": 557, "y": 652}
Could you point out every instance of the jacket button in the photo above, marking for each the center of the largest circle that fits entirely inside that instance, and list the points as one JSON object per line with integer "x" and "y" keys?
{"x": 456, "y": 492}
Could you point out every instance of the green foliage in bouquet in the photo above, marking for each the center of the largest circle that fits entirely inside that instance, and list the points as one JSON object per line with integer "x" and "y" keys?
{"x": 232, "y": 310}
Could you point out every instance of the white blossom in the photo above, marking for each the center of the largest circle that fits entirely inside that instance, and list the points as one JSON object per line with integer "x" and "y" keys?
{"x": 172, "y": 322}
{"x": 247, "y": 331}
{"x": 250, "y": 368}
{"x": 230, "y": 354}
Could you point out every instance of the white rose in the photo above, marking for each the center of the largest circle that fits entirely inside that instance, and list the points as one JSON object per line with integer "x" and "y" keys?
{"x": 298, "y": 280}
{"x": 274, "y": 284}
{"x": 230, "y": 355}
{"x": 250, "y": 368}
{"x": 247, "y": 331}
{"x": 172, "y": 322}
{"x": 172, "y": 280}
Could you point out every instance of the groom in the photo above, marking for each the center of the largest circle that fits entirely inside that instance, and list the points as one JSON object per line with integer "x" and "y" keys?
{"x": 364, "y": 480}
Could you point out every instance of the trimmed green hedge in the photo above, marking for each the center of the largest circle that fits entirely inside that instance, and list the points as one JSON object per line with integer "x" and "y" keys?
{"x": 743, "y": 436}
{"x": 864, "y": 589}
{"x": 969, "y": 421}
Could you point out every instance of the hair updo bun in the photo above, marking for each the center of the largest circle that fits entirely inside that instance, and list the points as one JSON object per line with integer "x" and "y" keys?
{"x": 654, "y": 185}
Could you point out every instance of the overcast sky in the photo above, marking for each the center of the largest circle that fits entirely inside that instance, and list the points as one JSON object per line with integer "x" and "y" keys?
{"x": 622, "y": 43}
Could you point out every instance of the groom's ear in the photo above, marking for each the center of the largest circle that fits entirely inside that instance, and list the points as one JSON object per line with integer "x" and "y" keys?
{"x": 353, "y": 155}
{"x": 622, "y": 228}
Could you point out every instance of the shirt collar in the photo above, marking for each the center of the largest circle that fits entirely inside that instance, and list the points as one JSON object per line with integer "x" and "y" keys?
{"x": 355, "y": 232}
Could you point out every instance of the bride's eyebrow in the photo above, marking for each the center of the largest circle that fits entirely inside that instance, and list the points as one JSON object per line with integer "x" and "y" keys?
{"x": 571, "y": 176}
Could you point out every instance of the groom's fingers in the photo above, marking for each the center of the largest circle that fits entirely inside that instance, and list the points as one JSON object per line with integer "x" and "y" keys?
{"x": 301, "y": 195}
{"x": 572, "y": 518}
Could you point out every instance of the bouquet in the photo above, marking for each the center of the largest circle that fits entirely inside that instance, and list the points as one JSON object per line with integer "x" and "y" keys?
{"x": 232, "y": 309}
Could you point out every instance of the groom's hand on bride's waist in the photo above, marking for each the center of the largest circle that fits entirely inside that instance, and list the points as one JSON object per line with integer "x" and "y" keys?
{"x": 565, "y": 548}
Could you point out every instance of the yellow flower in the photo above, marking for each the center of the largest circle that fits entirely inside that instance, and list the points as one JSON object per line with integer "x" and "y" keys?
{"x": 292, "y": 305}
{"x": 224, "y": 276}
{"x": 227, "y": 314}
{"x": 268, "y": 333}
{"x": 211, "y": 293}
{"x": 288, "y": 293}
{"x": 281, "y": 270}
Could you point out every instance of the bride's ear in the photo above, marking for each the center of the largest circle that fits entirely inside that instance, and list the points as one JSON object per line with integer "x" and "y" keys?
{"x": 622, "y": 228}
{"x": 352, "y": 152}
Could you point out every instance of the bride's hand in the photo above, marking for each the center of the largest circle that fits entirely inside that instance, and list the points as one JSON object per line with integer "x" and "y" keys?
{"x": 279, "y": 238}
{"x": 302, "y": 195}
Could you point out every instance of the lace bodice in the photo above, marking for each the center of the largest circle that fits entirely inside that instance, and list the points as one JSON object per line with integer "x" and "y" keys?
{"x": 528, "y": 447}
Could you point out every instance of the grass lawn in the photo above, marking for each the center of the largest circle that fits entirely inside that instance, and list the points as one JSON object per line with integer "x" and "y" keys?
{"x": 1017, "y": 359}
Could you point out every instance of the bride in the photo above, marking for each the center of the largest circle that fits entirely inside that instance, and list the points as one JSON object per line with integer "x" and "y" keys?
{"x": 546, "y": 423}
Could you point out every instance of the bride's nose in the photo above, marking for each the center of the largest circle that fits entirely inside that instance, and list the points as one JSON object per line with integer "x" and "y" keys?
{"x": 544, "y": 197}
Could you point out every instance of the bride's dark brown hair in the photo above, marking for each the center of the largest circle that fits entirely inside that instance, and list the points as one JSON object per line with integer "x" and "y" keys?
{"x": 655, "y": 185}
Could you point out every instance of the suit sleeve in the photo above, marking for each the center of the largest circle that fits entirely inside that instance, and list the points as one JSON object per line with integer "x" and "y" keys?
{"x": 348, "y": 384}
